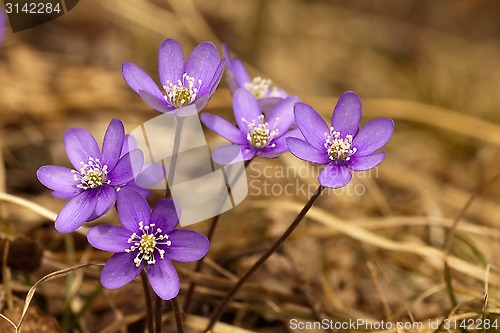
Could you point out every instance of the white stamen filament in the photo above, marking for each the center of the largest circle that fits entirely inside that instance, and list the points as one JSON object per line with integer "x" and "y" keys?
{"x": 183, "y": 93}
{"x": 338, "y": 148}
{"x": 259, "y": 135}
{"x": 146, "y": 244}
{"x": 259, "y": 87}
{"x": 91, "y": 175}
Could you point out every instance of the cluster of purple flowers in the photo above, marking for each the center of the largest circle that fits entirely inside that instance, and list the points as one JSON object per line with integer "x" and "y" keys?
{"x": 269, "y": 123}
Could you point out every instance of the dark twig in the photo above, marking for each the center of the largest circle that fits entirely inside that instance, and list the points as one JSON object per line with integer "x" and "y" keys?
{"x": 178, "y": 315}
{"x": 147, "y": 298}
{"x": 200, "y": 263}
{"x": 229, "y": 296}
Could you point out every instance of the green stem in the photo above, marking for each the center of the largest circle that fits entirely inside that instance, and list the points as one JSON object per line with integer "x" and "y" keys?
{"x": 229, "y": 296}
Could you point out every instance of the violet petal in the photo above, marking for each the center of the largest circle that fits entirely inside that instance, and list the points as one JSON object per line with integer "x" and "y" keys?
{"x": 202, "y": 63}
{"x": 187, "y": 246}
{"x": 240, "y": 73}
{"x": 106, "y": 197}
{"x": 230, "y": 154}
{"x": 142, "y": 191}
{"x": 59, "y": 179}
{"x": 163, "y": 279}
{"x": 76, "y": 211}
{"x": 245, "y": 106}
{"x": 132, "y": 208}
{"x": 119, "y": 270}
{"x": 223, "y": 128}
{"x": 267, "y": 104}
{"x": 215, "y": 79}
{"x": 170, "y": 62}
{"x": 112, "y": 144}
{"x": 347, "y": 114}
{"x": 165, "y": 215}
{"x": 373, "y": 136}
{"x": 111, "y": 238}
{"x": 138, "y": 79}
{"x": 334, "y": 176}
{"x": 124, "y": 170}
{"x": 306, "y": 152}
{"x": 312, "y": 126}
{"x": 63, "y": 195}
{"x": 280, "y": 145}
{"x": 157, "y": 103}
{"x": 282, "y": 117}
{"x": 363, "y": 163}
{"x": 80, "y": 146}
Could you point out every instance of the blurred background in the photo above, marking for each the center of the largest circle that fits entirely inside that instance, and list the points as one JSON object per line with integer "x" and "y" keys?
{"x": 376, "y": 254}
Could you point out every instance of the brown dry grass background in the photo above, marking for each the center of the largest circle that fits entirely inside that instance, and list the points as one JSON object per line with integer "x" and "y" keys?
{"x": 431, "y": 66}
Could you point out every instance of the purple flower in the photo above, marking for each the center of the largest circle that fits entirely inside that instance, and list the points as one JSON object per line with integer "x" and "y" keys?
{"x": 255, "y": 135}
{"x": 92, "y": 186}
{"x": 237, "y": 77}
{"x": 341, "y": 146}
{"x": 183, "y": 84}
{"x": 148, "y": 239}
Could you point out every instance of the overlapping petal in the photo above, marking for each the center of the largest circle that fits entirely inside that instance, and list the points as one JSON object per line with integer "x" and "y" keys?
{"x": 106, "y": 198}
{"x": 132, "y": 209}
{"x": 223, "y": 128}
{"x": 80, "y": 146}
{"x": 202, "y": 64}
{"x": 126, "y": 167}
{"x": 157, "y": 103}
{"x": 165, "y": 215}
{"x": 112, "y": 144}
{"x": 306, "y": 152}
{"x": 363, "y": 163}
{"x": 230, "y": 154}
{"x": 245, "y": 108}
{"x": 76, "y": 211}
{"x": 282, "y": 116}
{"x": 215, "y": 79}
{"x": 139, "y": 80}
{"x": 312, "y": 126}
{"x": 373, "y": 136}
{"x": 279, "y": 145}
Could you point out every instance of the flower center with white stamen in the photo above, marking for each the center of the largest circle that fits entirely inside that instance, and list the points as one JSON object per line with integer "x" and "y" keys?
{"x": 146, "y": 244}
{"x": 338, "y": 148}
{"x": 91, "y": 175}
{"x": 259, "y": 135}
{"x": 182, "y": 93}
{"x": 258, "y": 87}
